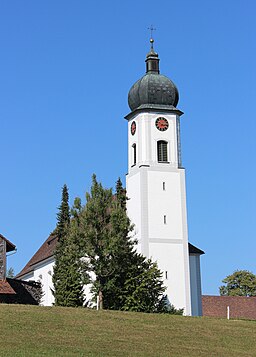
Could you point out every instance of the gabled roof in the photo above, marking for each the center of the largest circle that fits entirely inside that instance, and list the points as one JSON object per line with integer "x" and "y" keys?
{"x": 9, "y": 246}
{"x": 47, "y": 250}
{"x": 194, "y": 250}
{"x": 44, "y": 252}
{"x": 5, "y": 288}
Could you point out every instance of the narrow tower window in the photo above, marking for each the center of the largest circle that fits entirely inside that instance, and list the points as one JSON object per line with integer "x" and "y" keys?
{"x": 134, "y": 154}
{"x": 163, "y": 186}
{"x": 164, "y": 219}
{"x": 162, "y": 151}
{"x": 166, "y": 274}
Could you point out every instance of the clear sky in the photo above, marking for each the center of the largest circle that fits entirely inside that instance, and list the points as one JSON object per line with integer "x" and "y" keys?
{"x": 66, "y": 69}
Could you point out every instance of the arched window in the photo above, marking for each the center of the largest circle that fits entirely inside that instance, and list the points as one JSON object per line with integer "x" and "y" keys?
{"x": 134, "y": 154}
{"x": 162, "y": 155}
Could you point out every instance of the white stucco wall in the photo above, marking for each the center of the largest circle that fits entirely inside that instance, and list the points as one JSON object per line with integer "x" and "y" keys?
{"x": 164, "y": 202}
{"x": 159, "y": 214}
{"x": 146, "y": 137}
{"x": 43, "y": 272}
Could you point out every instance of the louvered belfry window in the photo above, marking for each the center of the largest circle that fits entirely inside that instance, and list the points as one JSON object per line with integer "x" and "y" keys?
{"x": 162, "y": 151}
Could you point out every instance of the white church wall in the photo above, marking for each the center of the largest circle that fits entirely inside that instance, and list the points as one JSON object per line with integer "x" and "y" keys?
{"x": 164, "y": 203}
{"x": 146, "y": 137}
{"x": 157, "y": 204}
{"x": 43, "y": 272}
{"x": 169, "y": 258}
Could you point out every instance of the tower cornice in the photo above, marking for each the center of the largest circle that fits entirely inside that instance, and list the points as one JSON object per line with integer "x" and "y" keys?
{"x": 149, "y": 108}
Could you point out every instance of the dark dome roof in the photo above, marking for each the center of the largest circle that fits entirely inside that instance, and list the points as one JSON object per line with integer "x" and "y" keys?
{"x": 153, "y": 88}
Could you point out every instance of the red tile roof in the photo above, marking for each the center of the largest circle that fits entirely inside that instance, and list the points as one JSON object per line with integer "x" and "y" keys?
{"x": 5, "y": 288}
{"x": 9, "y": 246}
{"x": 45, "y": 251}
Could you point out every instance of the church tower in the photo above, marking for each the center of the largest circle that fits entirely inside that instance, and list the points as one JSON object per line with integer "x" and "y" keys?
{"x": 156, "y": 179}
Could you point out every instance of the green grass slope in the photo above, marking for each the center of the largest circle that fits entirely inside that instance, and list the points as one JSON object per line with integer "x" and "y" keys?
{"x": 51, "y": 331}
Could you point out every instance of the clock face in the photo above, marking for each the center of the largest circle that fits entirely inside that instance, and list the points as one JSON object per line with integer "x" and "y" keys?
{"x": 133, "y": 128}
{"x": 162, "y": 124}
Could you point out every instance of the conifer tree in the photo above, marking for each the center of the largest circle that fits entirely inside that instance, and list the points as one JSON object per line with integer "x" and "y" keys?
{"x": 98, "y": 243}
{"x": 63, "y": 216}
{"x": 72, "y": 273}
{"x": 144, "y": 291}
{"x": 69, "y": 274}
{"x": 10, "y": 273}
{"x": 121, "y": 194}
{"x": 112, "y": 253}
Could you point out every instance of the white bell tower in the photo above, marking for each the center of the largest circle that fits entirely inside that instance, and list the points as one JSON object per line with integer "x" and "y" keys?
{"x": 156, "y": 180}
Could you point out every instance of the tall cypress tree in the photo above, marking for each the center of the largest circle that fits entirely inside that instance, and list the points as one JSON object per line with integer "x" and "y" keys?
{"x": 72, "y": 270}
{"x": 63, "y": 216}
{"x": 69, "y": 276}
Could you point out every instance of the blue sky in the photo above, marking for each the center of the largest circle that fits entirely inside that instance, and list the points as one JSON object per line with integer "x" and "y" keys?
{"x": 66, "y": 69}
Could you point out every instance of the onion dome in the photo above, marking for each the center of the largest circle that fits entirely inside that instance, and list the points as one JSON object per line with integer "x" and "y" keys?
{"x": 153, "y": 88}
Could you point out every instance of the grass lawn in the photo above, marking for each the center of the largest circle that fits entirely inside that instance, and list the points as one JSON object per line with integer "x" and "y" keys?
{"x": 52, "y": 331}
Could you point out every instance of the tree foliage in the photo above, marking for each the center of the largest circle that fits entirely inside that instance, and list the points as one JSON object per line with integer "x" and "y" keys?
{"x": 63, "y": 216}
{"x": 97, "y": 242}
{"x": 125, "y": 278}
{"x": 144, "y": 290}
{"x": 240, "y": 283}
{"x": 10, "y": 273}
{"x": 69, "y": 271}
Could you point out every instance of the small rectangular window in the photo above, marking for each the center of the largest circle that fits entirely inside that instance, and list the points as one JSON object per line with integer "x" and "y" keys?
{"x": 163, "y": 186}
{"x": 164, "y": 219}
{"x": 166, "y": 274}
{"x": 134, "y": 154}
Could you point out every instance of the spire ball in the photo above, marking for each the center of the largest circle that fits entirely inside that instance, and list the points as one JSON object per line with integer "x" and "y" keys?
{"x": 153, "y": 88}
{"x": 152, "y": 42}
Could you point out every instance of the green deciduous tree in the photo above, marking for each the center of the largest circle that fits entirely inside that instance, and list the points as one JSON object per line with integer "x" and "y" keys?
{"x": 240, "y": 283}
